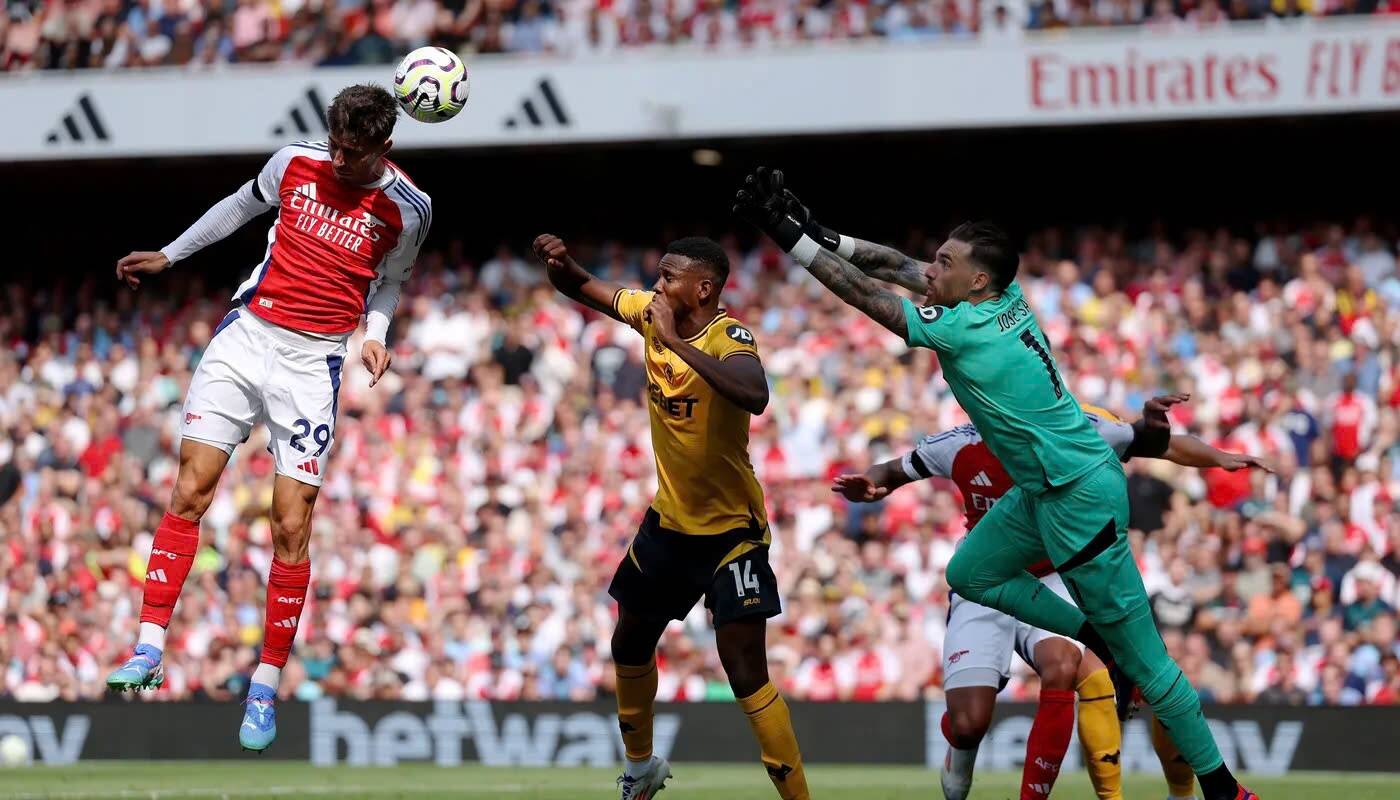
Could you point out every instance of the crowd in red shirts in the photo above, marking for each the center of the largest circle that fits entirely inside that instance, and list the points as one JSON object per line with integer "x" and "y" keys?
{"x": 110, "y": 34}
{"x": 479, "y": 498}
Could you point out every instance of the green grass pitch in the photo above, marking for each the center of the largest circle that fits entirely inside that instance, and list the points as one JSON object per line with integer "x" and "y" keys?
{"x": 254, "y": 779}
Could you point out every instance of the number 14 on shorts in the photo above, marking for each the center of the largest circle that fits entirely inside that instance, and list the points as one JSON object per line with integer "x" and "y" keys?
{"x": 745, "y": 579}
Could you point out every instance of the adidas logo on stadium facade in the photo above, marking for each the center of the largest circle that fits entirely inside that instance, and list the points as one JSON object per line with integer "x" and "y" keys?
{"x": 306, "y": 116}
{"x": 80, "y": 125}
{"x": 981, "y": 479}
{"x": 532, "y": 109}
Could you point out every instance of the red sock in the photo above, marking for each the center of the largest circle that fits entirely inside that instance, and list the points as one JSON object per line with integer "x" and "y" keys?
{"x": 1047, "y": 743}
{"x": 172, "y": 556}
{"x": 286, "y": 596}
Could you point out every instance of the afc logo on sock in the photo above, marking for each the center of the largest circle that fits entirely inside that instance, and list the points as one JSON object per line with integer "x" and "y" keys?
{"x": 156, "y": 551}
{"x": 296, "y": 601}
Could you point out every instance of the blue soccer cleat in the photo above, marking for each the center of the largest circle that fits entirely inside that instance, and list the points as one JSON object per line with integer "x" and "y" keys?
{"x": 141, "y": 671}
{"x": 259, "y": 726}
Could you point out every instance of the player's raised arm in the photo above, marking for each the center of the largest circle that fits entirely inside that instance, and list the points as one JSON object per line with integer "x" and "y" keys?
{"x": 1190, "y": 451}
{"x": 222, "y": 219}
{"x": 1151, "y": 437}
{"x": 876, "y": 260}
{"x": 572, "y": 280}
{"x": 762, "y": 204}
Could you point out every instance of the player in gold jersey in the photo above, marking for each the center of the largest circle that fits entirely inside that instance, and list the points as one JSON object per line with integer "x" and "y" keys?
{"x": 706, "y": 533}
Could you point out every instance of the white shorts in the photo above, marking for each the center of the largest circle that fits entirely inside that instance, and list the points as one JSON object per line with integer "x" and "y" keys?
{"x": 255, "y": 371}
{"x": 979, "y": 641}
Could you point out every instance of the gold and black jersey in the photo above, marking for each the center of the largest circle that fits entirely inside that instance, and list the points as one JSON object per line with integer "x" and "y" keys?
{"x": 705, "y": 481}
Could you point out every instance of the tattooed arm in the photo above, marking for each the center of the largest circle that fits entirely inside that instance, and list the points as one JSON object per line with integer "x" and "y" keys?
{"x": 876, "y": 260}
{"x": 763, "y": 203}
{"x": 858, "y": 290}
{"x": 890, "y": 265}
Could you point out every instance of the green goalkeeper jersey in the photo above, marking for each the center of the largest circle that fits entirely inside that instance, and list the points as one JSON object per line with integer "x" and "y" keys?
{"x": 998, "y": 364}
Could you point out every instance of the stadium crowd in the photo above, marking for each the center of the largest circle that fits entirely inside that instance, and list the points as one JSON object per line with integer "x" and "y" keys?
{"x": 480, "y": 496}
{"x": 107, "y": 34}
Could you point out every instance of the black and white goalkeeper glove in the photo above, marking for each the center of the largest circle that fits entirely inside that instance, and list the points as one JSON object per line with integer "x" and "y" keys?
{"x": 762, "y": 203}
{"x": 843, "y": 246}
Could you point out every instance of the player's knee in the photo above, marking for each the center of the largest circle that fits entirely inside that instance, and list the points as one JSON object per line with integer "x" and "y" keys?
{"x": 961, "y": 578}
{"x": 191, "y": 497}
{"x": 967, "y": 726}
{"x": 746, "y": 668}
{"x": 1058, "y": 664}
{"x": 1171, "y": 694}
{"x": 291, "y": 536}
{"x": 630, "y": 649}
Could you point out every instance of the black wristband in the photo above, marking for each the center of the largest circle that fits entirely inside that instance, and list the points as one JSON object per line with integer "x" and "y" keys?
{"x": 786, "y": 233}
{"x": 824, "y": 236}
{"x": 1148, "y": 442}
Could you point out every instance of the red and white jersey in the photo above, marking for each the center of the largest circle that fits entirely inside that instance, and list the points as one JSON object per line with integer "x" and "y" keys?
{"x": 961, "y": 455}
{"x": 333, "y": 243}
{"x": 1353, "y": 417}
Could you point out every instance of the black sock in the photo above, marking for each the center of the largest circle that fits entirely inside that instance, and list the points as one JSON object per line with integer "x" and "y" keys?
{"x": 1090, "y": 638}
{"x": 1219, "y": 784}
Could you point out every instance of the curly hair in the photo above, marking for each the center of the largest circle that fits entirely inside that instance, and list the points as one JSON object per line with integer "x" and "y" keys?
{"x": 364, "y": 114}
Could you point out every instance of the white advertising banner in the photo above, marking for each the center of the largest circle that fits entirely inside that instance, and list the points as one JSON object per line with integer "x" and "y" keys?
{"x": 1088, "y": 77}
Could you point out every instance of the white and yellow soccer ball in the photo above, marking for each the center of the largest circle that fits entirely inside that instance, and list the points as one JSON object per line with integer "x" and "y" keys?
{"x": 432, "y": 84}
{"x": 14, "y": 751}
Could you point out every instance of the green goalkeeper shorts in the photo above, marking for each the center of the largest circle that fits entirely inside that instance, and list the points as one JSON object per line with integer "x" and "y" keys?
{"x": 1082, "y": 528}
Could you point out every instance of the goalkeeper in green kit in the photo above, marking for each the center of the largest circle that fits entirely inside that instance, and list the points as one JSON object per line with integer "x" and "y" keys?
{"x": 1069, "y": 503}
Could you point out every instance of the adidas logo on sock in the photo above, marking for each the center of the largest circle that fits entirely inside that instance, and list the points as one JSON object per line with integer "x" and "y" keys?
{"x": 289, "y": 622}
{"x": 310, "y": 467}
{"x": 157, "y": 575}
{"x": 981, "y": 479}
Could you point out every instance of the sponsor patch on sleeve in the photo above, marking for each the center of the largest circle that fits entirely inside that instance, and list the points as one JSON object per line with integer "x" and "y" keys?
{"x": 739, "y": 334}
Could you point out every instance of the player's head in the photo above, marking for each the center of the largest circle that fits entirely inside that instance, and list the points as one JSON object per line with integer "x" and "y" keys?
{"x": 978, "y": 260}
{"x": 692, "y": 273}
{"x": 361, "y": 120}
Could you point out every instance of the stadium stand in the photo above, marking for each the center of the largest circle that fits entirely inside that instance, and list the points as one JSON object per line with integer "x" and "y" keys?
{"x": 108, "y": 34}
{"x": 453, "y": 562}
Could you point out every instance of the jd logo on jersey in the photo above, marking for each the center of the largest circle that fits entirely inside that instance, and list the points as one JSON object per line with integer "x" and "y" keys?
{"x": 739, "y": 334}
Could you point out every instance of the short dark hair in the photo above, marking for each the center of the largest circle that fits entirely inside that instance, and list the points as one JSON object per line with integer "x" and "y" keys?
{"x": 707, "y": 252}
{"x": 363, "y": 114}
{"x": 992, "y": 248}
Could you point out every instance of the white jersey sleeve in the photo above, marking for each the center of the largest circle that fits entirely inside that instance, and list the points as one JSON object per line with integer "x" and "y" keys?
{"x": 268, "y": 185}
{"x": 1117, "y": 433}
{"x": 233, "y": 212}
{"x": 417, "y": 214}
{"x": 933, "y": 456}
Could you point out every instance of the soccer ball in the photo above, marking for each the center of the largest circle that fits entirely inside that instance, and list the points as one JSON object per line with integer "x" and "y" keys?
{"x": 431, "y": 84}
{"x": 14, "y": 751}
